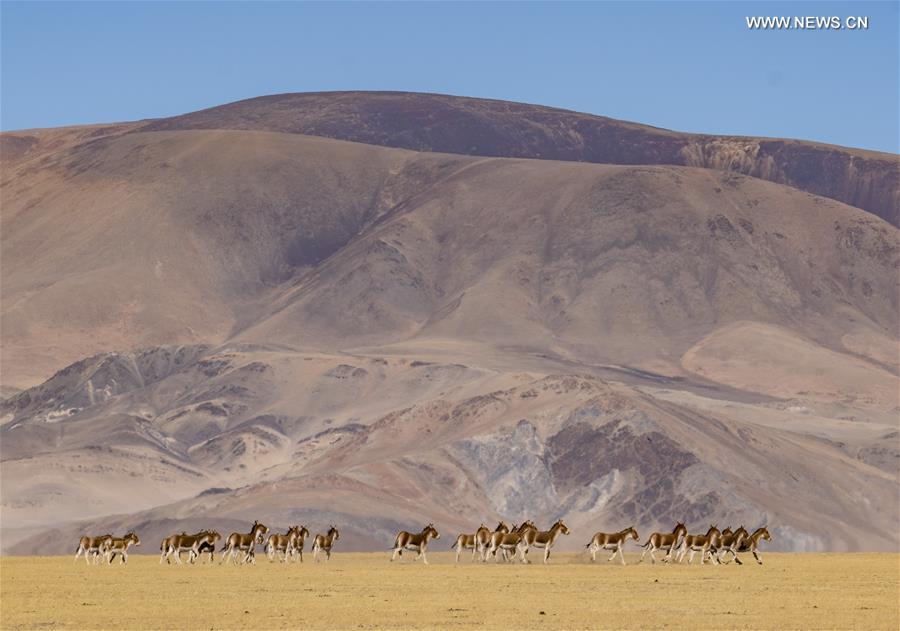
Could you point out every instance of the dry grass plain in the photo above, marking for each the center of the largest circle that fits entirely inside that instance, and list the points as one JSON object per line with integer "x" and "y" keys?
{"x": 364, "y": 591}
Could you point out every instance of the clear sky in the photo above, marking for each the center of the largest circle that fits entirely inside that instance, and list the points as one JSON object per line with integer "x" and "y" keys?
{"x": 685, "y": 66}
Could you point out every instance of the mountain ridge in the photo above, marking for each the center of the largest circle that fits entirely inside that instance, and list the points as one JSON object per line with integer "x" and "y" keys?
{"x": 489, "y": 127}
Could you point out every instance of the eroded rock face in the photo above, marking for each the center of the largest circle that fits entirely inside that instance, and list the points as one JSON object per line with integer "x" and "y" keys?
{"x": 633, "y": 470}
{"x": 511, "y": 467}
{"x": 580, "y": 454}
{"x": 98, "y": 379}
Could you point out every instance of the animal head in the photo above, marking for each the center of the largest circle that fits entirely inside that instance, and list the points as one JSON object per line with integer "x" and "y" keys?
{"x": 133, "y": 538}
{"x": 764, "y": 533}
{"x": 727, "y": 532}
{"x": 559, "y": 525}
{"x": 431, "y": 531}
{"x": 633, "y": 533}
{"x": 680, "y": 529}
{"x": 304, "y": 531}
{"x": 502, "y": 527}
{"x": 333, "y": 533}
{"x": 740, "y": 532}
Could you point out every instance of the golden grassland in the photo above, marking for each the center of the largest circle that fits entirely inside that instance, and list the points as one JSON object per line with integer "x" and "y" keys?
{"x": 365, "y": 591}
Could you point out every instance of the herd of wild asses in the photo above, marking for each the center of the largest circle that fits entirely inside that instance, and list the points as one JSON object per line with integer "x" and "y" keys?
{"x": 503, "y": 543}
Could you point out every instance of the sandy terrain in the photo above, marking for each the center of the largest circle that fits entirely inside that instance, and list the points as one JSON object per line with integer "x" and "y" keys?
{"x": 364, "y": 591}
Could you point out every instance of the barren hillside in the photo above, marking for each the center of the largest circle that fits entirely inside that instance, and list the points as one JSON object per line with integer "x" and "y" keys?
{"x": 216, "y": 318}
{"x": 484, "y": 127}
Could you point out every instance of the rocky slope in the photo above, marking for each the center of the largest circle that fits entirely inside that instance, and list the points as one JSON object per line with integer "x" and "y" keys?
{"x": 379, "y": 443}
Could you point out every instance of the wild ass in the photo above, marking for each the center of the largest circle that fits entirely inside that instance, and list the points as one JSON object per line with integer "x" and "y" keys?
{"x": 299, "y": 542}
{"x": 244, "y": 542}
{"x": 751, "y": 543}
{"x": 659, "y": 540}
{"x": 510, "y": 544}
{"x": 730, "y": 542}
{"x": 326, "y": 543}
{"x": 283, "y": 543}
{"x": 418, "y": 542}
{"x": 701, "y": 544}
{"x": 196, "y": 544}
{"x": 475, "y": 542}
{"x": 120, "y": 546}
{"x": 611, "y": 541}
{"x": 92, "y": 546}
{"x": 544, "y": 539}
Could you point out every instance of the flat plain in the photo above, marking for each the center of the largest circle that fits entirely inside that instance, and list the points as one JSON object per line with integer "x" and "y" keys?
{"x": 365, "y": 591}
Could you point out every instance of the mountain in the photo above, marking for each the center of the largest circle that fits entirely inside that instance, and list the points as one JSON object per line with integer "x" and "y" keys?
{"x": 484, "y": 127}
{"x": 237, "y": 314}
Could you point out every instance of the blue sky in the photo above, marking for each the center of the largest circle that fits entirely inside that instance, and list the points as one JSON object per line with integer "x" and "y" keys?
{"x": 685, "y": 66}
